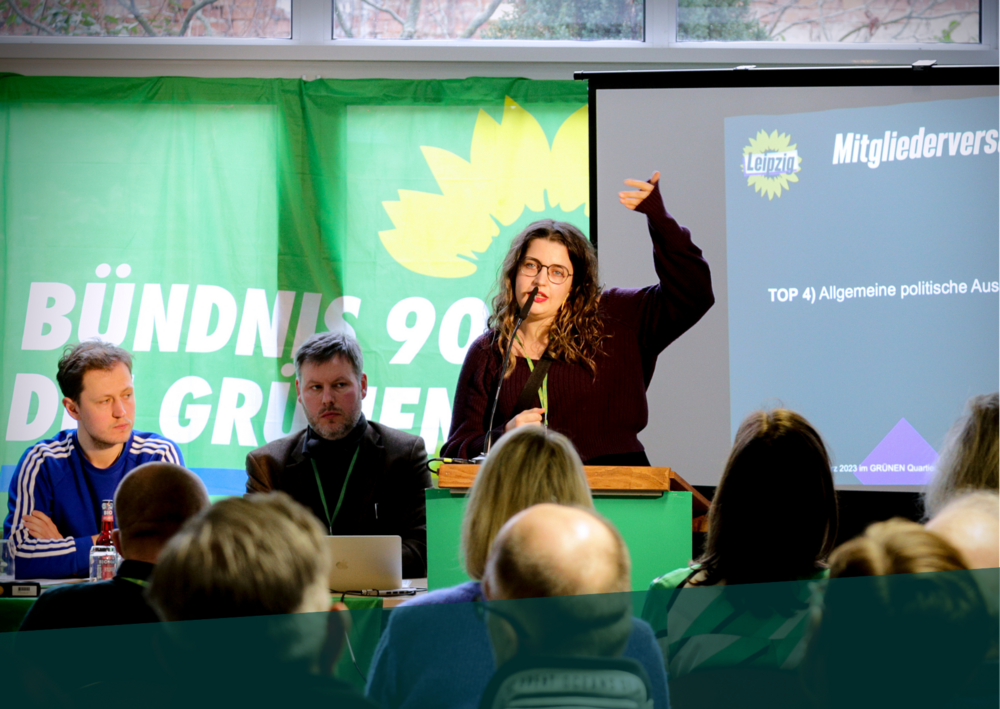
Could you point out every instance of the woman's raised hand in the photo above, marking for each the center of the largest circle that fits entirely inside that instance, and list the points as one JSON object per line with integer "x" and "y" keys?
{"x": 524, "y": 418}
{"x": 633, "y": 199}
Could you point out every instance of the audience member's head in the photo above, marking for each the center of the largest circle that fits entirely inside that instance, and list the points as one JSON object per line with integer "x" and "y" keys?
{"x": 260, "y": 555}
{"x": 971, "y": 524}
{"x": 151, "y": 504}
{"x": 556, "y": 550}
{"x": 528, "y": 466}
{"x": 903, "y": 622}
{"x": 969, "y": 460}
{"x": 254, "y": 571}
{"x": 557, "y": 580}
{"x": 897, "y": 546}
{"x": 774, "y": 514}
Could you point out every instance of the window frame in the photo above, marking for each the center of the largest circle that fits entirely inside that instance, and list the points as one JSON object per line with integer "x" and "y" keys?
{"x": 312, "y": 30}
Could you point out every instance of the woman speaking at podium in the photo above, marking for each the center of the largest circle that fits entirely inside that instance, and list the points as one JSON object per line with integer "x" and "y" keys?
{"x": 600, "y": 345}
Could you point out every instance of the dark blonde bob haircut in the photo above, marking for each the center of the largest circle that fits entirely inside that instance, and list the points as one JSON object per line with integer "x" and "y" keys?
{"x": 528, "y": 466}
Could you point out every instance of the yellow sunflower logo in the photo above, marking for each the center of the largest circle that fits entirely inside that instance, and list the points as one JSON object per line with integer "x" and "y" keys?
{"x": 770, "y": 163}
{"x": 511, "y": 167}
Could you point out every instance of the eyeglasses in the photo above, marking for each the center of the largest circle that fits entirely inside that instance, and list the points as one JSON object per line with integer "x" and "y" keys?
{"x": 531, "y": 268}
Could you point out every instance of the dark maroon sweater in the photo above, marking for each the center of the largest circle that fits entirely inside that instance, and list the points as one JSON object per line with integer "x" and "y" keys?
{"x": 602, "y": 414}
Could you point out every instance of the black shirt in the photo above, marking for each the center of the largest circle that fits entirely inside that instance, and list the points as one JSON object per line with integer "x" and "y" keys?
{"x": 385, "y": 494}
{"x": 119, "y": 601}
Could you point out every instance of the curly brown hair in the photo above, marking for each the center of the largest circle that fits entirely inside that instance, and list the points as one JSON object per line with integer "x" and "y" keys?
{"x": 577, "y": 332}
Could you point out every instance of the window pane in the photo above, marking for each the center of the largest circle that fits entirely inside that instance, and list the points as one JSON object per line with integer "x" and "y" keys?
{"x": 488, "y": 19}
{"x": 805, "y": 21}
{"x": 147, "y": 18}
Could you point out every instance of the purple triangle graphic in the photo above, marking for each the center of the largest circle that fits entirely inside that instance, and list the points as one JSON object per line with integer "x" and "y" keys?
{"x": 903, "y": 457}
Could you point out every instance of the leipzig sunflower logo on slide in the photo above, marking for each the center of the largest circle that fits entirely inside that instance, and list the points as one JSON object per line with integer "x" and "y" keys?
{"x": 770, "y": 163}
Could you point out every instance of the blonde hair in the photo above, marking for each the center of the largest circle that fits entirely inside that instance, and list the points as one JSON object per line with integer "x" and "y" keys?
{"x": 970, "y": 459}
{"x": 897, "y": 546}
{"x": 900, "y": 637}
{"x": 241, "y": 557}
{"x": 529, "y": 465}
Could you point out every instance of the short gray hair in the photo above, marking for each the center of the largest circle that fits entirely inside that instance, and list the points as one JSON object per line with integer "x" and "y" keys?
{"x": 324, "y": 346}
{"x": 557, "y": 616}
{"x": 986, "y": 502}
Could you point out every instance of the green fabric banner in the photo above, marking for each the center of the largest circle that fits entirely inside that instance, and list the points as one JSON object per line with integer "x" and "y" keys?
{"x": 210, "y": 225}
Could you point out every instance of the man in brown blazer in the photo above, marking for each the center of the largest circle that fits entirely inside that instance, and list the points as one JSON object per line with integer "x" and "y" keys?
{"x": 357, "y": 476}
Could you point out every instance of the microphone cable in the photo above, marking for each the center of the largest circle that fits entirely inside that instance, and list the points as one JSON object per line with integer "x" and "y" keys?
{"x": 456, "y": 461}
{"x": 525, "y": 309}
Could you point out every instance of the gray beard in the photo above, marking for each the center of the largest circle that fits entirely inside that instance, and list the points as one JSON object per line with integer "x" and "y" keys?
{"x": 323, "y": 429}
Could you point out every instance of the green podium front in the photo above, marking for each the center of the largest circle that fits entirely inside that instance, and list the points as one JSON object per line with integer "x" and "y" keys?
{"x": 656, "y": 524}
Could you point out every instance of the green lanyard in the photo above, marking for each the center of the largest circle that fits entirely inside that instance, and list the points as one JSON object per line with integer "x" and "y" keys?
{"x": 137, "y": 582}
{"x": 543, "y": 390}
{"x": 322, "y": 497}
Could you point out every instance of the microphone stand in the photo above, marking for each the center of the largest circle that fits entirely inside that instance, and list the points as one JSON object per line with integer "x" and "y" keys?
{"x": 525, "y": 309}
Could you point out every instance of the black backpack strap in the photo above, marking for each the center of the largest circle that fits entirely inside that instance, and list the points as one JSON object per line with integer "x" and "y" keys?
{"x": 527, "y": 398}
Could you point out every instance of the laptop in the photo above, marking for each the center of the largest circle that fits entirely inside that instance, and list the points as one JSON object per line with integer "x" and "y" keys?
{"x": 365, "y": 563}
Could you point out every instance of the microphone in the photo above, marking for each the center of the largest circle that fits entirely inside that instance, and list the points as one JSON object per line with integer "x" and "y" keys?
{"x": 525, "y": 309}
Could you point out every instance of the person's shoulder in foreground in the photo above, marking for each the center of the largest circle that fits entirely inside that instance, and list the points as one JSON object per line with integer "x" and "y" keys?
{"x": 670, "y": 580}
{"x": 83, "y": 605}
{"x": 444, "y": 623}
{"x": 467, "y": 592}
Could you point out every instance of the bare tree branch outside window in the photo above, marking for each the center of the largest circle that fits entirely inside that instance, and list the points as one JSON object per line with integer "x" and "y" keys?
{"x": 798, "y": 21}
{"x": 489, "y": 19}
{"x": 829, "y": 21}
{"x": 151, "y": 18}
{"x": 792, "y": 21}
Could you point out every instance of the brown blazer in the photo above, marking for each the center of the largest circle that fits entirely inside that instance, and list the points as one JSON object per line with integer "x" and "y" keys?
{"x": 385, "y": 494}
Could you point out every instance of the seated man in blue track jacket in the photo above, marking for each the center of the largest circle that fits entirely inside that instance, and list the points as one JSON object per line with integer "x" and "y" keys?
{"x": 54, "y": 507}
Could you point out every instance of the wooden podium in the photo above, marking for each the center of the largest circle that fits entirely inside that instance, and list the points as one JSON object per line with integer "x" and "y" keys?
{"x": 655, "y": 510}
